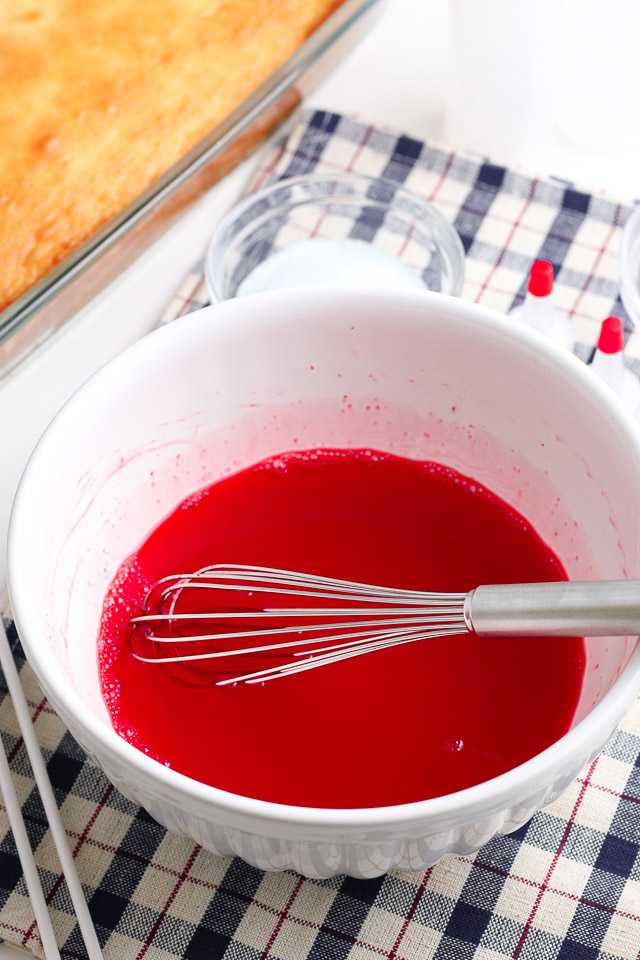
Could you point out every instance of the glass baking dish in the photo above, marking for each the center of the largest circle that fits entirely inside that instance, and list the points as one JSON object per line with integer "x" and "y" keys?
{"x": 53, "y": 301}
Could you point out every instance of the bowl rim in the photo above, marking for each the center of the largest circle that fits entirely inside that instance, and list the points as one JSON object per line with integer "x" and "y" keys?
{"x": 494, "y": 794}
{"x": 236, "y": 212}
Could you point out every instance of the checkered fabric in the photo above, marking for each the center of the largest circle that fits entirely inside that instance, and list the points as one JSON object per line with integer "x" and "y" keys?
{"x": 564, "y": 887}
{"x": 506, "y": 219}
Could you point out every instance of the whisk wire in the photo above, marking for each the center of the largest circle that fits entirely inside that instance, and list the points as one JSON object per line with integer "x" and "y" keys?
{"x": 241, "y": 577}
{"x": 268, "y": 647}
{"x": 383, "y": 617}
{"x": 335, "y": 654}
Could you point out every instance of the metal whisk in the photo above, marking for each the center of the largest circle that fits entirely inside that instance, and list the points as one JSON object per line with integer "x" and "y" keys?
{"x": 366, "y": 618}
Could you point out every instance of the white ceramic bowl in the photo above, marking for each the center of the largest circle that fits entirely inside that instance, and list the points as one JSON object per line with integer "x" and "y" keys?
{"x": 234, "y": 383}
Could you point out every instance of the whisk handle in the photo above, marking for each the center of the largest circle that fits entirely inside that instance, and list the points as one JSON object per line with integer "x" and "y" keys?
{"x": 565, "y": 609}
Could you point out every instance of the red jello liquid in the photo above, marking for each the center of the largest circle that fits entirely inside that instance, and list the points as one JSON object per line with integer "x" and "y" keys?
{"x": 399, "y": 725}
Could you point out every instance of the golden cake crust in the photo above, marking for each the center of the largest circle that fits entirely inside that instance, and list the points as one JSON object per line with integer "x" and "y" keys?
{"x": 99, "y": 97}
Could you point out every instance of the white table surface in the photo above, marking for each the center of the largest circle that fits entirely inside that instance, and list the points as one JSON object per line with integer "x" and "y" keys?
{"x": 397, "y": 76}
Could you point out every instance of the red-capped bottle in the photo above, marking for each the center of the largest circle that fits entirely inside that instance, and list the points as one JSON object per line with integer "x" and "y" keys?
{"x": 538, "y": 311}
{"x": 608, "y": 363}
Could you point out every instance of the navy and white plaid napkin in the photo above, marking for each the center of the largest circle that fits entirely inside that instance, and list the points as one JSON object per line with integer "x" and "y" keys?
{"x": 564, "y": 887}
{"x": 506, "y": 219}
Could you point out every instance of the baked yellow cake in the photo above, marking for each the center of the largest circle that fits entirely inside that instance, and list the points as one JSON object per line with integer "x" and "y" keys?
{"x": 99, "y": 97}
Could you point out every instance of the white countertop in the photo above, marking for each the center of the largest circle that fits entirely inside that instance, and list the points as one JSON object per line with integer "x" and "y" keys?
{"x": 397, "y": 76}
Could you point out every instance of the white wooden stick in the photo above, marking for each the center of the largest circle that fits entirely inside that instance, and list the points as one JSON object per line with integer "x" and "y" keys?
{"x": 25, "y": 853}
{"x": 48, "y": 800}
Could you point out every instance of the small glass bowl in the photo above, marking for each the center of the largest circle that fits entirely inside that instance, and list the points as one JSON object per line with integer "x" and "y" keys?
{"x": 399, "y": 224}
{"x": 629, "y": 264}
